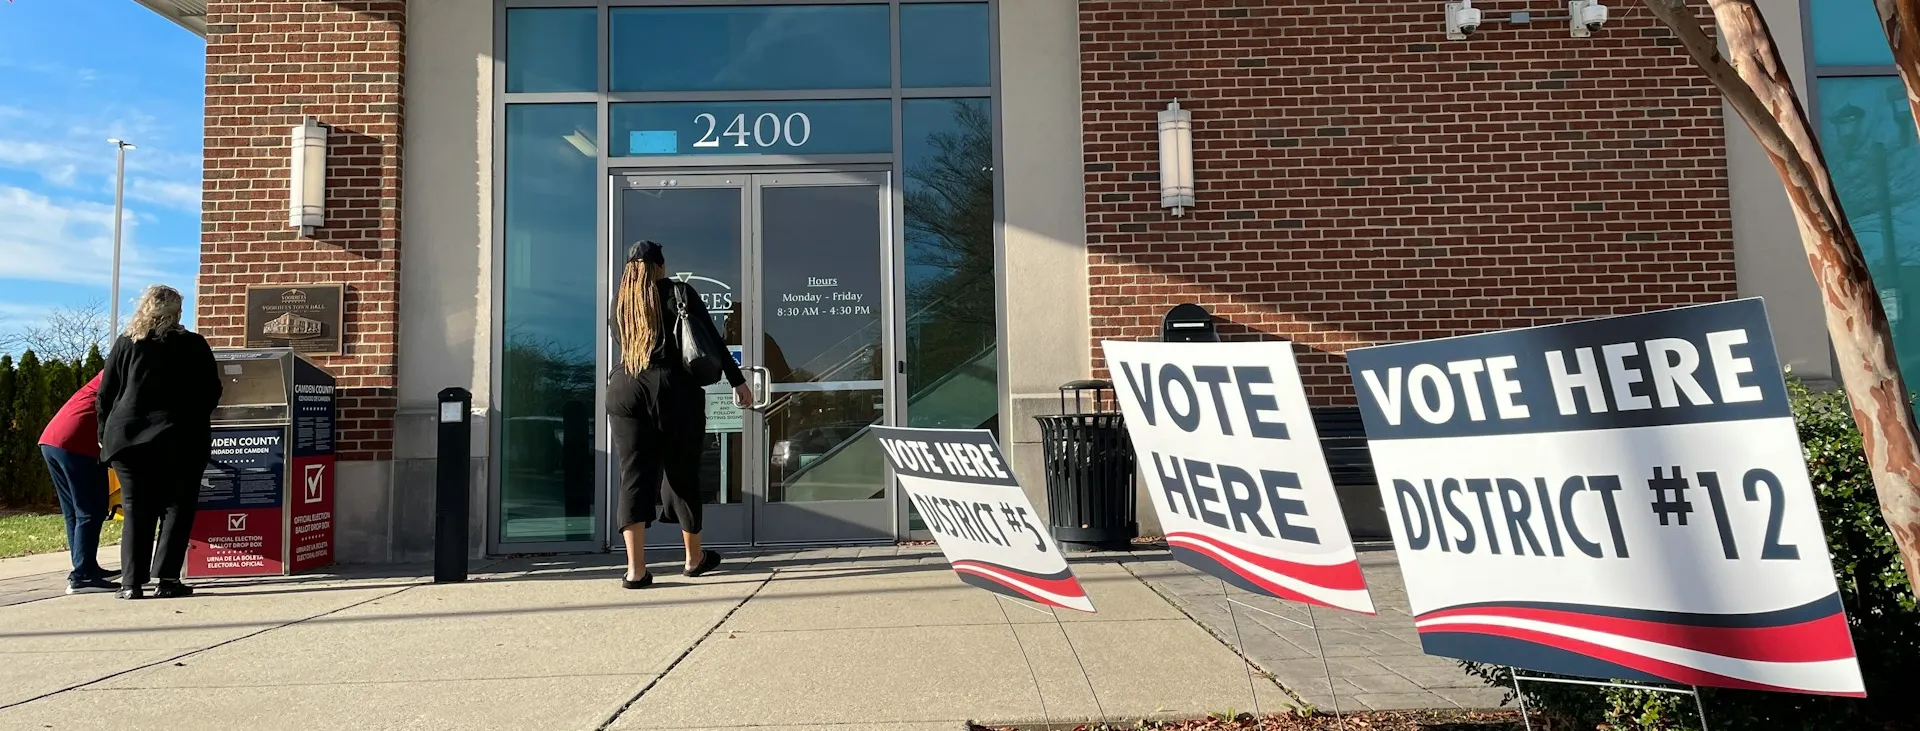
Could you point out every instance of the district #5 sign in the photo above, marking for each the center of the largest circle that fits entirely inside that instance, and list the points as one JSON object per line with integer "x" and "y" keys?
{"x": 1233, "y": 463}
{"x": 960, "y": 482}
{"x": 1621, "y": 498}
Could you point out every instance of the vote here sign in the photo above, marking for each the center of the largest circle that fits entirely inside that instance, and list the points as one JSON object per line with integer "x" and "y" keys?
{"x": 1621, "y": 498}
{"x": 960, "y": 482}
{"x": 1234, "y": 468}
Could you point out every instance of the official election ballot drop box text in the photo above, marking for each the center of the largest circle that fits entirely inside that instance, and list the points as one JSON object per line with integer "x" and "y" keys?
{"x": 266, "y": 496}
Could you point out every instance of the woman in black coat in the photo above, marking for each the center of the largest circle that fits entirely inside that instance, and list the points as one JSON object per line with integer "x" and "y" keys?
{"x": 658, "y": 411}
{"x": 156, "y": 403}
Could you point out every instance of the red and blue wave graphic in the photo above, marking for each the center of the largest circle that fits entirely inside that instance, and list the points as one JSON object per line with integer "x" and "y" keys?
{"x": 1804, "y": 649}
{"x": 1340, "y": 586}
{"x": 1059, "y": 589}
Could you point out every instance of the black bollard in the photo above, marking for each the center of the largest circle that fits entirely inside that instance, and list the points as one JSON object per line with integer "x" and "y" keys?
{"x": 450, "y": 505}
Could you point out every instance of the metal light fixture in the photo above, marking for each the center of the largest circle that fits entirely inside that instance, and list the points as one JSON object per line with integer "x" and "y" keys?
{"x": 307, "y": 199}
{"x": 583, "y": 142}
{"x": 1176, "y": 159}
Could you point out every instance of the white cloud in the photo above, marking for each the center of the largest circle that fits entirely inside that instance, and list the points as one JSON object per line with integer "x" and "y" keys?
{"x": 34, "y": 155}
{"x": 58, "y": 71}
{"x": 65, "y": 176}
{"x": 16, "y": 312}
{"x": 71, "y": 151}
{"x": 68, "y": 242}
{"x": 179, "y": 195}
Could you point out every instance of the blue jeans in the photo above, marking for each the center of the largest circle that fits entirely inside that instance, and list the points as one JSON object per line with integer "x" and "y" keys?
{"x": 80, "y": 482}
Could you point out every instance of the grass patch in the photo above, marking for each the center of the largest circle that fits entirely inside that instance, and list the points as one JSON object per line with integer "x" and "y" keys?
{"x": 25, "y": 534}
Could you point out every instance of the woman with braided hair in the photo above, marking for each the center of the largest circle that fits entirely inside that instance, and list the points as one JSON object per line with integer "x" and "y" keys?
{"x": 657, "y": 408}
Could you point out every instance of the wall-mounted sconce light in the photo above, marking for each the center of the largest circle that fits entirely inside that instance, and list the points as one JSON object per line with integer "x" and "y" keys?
{"x": 307, "y": 199}
{"x": 1176, "y": 159}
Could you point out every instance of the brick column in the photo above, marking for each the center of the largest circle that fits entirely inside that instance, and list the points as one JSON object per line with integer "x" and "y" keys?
{"x": 1362, "y": 180}
{"x": 269, "y": 65}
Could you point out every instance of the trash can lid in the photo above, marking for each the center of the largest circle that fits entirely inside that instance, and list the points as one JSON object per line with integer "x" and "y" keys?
{"x": 1086, "y": 385}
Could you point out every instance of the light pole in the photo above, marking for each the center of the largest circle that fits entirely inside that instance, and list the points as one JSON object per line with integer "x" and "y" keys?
{"x": 119, "y": 192}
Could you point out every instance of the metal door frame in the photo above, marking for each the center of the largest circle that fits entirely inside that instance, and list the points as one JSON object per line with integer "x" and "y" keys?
{"x": 750, "y": 181}
{"x": 739, "y": 528}
{"x": 883, "y": 514}
{"x": 602, "y": 97}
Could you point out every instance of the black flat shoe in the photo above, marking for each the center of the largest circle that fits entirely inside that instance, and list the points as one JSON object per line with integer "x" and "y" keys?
{"x": 91, "y": 586}
{"x": 132, "y": 592}
{"x": 643, "y": 582}
{"x": 709, "y": 560}
{"x": 172, "y": 590}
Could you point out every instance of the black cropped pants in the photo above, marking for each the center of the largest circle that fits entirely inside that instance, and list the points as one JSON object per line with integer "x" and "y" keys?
{"x": 658, "y": 448}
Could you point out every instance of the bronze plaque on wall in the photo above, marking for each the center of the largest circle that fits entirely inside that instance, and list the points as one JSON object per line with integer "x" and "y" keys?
{"x": 307, "y": 318}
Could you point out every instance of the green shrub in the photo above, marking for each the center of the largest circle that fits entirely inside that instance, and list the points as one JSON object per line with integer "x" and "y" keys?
{"x": 30, "y": 417}
{"x": 1879, "y": 601}
{"x": 8, "y": 431}
{"x": 31, "y": 392}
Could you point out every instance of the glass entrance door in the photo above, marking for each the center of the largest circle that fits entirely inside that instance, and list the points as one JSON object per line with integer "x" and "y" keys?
{"x": 702, "y": 223}
{"x": 823, "y": 317}
{"x": 795, "y": 270}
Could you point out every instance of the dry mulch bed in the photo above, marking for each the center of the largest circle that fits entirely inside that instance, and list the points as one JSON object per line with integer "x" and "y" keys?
{"x": 1373, "y": 721}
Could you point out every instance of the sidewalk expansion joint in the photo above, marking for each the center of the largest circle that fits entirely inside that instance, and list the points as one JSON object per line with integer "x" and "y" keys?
{"x": 222, "y": 643}
{"x": 684, "y": 654}
{"x": 1217, "y": 636}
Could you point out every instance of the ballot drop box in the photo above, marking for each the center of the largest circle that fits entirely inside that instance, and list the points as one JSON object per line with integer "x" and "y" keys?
{"x": 266, "y": 496}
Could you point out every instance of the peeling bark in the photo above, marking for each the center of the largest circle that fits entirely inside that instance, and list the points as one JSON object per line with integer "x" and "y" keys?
{"x": 1754, "y": 81}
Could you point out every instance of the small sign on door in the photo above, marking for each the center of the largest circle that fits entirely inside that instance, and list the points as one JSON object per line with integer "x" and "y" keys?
{"x": 723, "y": 417}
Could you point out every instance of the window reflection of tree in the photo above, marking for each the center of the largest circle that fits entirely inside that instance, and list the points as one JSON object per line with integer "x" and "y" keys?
{"x": 547, "y": 377}
{"x": 1871, "y": 162}
{"x": 949, "y": 222}
{"x": 548, "y": 429}
{"x": 1870, "y": 149}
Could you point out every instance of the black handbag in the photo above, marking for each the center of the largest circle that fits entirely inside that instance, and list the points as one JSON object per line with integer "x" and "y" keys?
{"x": 696, "y": 353}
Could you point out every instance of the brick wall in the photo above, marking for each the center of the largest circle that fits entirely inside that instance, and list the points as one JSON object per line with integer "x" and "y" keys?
{"x": 1363, "y": 180}
{"x": 269, "y": 64}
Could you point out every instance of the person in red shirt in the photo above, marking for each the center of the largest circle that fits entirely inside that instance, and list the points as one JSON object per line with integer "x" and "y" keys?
{"x": 71, "y": 446}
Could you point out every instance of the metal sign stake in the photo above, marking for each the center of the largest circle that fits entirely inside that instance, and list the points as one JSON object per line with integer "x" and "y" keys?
{"x": 1097, "y": 705}
{"x": 1240, "y": 646}
{"x": 1526, "y": 717}
{"x": 1031, "y": 673}
{"x": 1698, "y": 705}
{"x": 1327, "y": 666}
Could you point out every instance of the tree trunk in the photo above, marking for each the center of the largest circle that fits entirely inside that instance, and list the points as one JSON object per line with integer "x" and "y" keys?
{"x": 1756, "y": 84}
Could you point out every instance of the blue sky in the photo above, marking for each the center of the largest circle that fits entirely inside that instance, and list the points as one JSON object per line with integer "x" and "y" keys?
{"x": 72, "y": 74}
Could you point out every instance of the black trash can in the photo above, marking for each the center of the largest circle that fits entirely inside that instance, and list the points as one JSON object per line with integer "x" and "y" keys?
{"x": 1090, "y": 470}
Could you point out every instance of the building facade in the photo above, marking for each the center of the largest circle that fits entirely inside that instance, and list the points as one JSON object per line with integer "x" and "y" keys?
{"x": 929, "y": 213}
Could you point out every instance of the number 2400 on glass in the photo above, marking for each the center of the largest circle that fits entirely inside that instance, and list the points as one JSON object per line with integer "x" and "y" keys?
{"x": 767, "y": 130}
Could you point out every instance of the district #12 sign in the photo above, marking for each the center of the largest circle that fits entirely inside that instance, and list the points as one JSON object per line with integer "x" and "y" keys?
{"x": 1234, "y": 468}
{"x": 1622, "y": 498}
{"x": 961, "y": 483}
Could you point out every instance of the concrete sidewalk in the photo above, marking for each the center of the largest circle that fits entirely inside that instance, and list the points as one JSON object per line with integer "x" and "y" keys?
{"x": 878, "y": 638}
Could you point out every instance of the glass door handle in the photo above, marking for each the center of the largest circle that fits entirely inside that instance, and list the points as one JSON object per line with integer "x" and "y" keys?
{"x": 763, "y": 392}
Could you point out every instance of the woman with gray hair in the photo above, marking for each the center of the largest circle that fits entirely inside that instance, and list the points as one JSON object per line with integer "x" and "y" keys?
{"x": 156, "y": 403}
